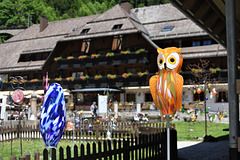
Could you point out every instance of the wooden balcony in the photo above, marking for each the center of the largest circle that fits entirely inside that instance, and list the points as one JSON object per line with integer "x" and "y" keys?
{"x": 102, "y": 60}
{"x": 119, "y": 81}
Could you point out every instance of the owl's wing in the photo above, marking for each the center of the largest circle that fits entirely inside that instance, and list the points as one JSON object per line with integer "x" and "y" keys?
{"x": 179, "y": 87}
{"x": 153, "y": 89}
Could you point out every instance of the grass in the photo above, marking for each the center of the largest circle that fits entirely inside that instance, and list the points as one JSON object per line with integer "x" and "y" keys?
{"x": 196, "y": 130}
{"x": 185, "y": 131}
{"x": 31, "y": 147}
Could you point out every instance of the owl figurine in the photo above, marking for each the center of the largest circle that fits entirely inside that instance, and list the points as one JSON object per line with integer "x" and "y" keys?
{"x": 166, "y": 87}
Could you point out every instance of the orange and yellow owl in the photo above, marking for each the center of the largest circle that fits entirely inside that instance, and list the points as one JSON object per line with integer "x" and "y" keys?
{"x": 166, "y": 88}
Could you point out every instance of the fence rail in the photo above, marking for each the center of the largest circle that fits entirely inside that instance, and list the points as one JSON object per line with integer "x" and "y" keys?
{"x": 98, "y": 132}
{"x": 152, "y": 146}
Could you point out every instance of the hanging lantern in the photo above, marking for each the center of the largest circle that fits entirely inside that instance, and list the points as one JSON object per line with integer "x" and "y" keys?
{"x": 214, "y": 91}
{"x": 90, "y": 128}
{"x": 211, "y": 95}
{"x": 189, "y": 88}
{"x": 194, "y": 91}
{"x": 207, "y": 90}
{"x": 53, "y": 115}
{"x": 199, "y": 90}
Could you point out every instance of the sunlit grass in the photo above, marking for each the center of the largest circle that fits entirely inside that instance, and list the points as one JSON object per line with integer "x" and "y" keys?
{"x": 196, "y": 130}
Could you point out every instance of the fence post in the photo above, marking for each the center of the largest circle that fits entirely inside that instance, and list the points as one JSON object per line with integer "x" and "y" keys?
{"x": 45, "y": 154}
{"x": 61, "y": 154}
{"x": 13, "y": 157}
{"x": 68, "y": 153}
{"x": 37, "y": 155}
{"x": 126, "y": 149}
{"x": 27, "y": 156}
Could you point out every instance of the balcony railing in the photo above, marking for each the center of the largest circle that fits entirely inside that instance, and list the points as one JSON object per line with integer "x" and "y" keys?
{"x": 118, "y": 81}
{"x": 102, "y": 60}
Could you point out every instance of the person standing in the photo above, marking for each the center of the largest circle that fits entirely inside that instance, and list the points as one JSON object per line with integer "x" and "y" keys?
{"x": 93, "y": 109}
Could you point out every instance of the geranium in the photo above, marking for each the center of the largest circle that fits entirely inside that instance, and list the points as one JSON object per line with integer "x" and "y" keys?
{"x": 70, "y": 57}
{"x": 142, "y": 73}
{"x": 194, "y": 70}
{"x": 84, "y": 77}
{"x": 57, "y": 58}
{"x": 58, "y": 79}
{"x": 98, "y": 76}
{"x": 34, "y": 80}
{"x": 111, "y": 76}
{"x": 140, "y": 50}
{"x": 94, "y": 56}
{"x": 70, "y": 78}
{"x": 109, "y": 54}
{"x": 214, "y": 70}
{"x": 126, "y": 75}
{"x": 82, "y": 57}
{"x": 125, "y": 52}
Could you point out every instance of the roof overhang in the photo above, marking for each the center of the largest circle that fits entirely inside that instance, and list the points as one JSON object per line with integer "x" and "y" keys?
{"x": 210, "y": 16}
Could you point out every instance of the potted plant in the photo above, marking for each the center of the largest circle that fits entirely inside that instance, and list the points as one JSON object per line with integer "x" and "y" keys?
{"x": 97, "y": 77}
{"x": 126, "y": 75}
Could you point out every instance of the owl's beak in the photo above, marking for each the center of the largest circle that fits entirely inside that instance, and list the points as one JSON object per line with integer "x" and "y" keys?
{"x": 165, "y": 65}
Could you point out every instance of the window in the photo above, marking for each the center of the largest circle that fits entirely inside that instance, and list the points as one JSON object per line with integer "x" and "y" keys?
{"x": 196, "y": 43}
{"x": 134, "y": 70}
{"x": 117, "y": 26}
{"x": 33, "y": 57}
{"x": 74, "y": 29}
{"x": 105, "y": 72}
{"x": 198, "y": 97}
{"x": 167, "y": 28}
{"x": 117, "y": 43}
{"x": 148, "y": 97}
{"x": 131, "y": 97}
{"x": 207, "y": 42}
{"x": 85, "y": 46}
{"x": 85, "y": 31}
{"x": 222, "y": 96}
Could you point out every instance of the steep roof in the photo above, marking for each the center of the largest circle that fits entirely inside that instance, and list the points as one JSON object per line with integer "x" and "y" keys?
{"x": 103, "y": 24}
{"x": 155, "y": 18}
{"x": 33, "y": 41}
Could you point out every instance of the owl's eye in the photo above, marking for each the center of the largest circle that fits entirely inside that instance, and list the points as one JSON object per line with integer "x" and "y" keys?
{"x": 173, "y": 60}
{"x": 160, "y": 61}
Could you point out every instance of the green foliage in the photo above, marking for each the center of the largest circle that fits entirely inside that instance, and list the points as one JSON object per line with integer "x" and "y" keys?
{"x": 24, "y": 12}
{"x": 195, "y": 130}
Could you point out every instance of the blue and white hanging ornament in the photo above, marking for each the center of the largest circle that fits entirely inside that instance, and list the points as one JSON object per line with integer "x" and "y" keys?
{"x": 53, "y": 116}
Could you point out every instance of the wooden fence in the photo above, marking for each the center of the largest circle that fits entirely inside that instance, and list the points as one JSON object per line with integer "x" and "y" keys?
{"x": 98, "y": 132}
{"x": 152, "y": 146}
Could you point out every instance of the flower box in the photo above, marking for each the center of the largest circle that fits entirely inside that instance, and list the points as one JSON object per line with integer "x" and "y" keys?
{"x": 97, "y": 77}
{"x": 84, "y": 77}
{"x": 57, "y": 58}
{"x": 126, "y": 75}
{"x": 109, "y": 54}
{"x": 70, "y": 57}
{"x": 111, "y": 76}
{"x": 82, "y": 57}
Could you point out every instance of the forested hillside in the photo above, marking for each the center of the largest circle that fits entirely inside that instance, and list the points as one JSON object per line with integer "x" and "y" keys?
{"x": 20, "y": 13}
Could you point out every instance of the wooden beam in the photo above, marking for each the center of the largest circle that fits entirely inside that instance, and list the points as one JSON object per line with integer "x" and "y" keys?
{"x": 202, "y": 11}
{"x": 187, "y": 4}
{"x": 238, "y": 86}
{"x": 211, "y": 20}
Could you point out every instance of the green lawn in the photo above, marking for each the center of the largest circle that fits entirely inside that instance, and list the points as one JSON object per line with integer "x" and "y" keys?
{"x": 196, "y": 130}
{"x": 185, "y": 131}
